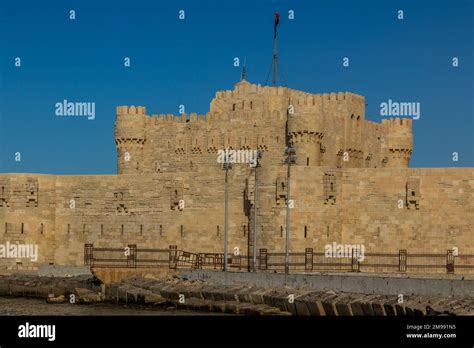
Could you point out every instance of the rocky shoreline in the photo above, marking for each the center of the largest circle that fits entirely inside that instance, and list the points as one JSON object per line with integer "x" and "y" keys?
{"x": 245, "y": 299}
{"x": 198, "y": 295}
{"x": 77, "y": 289}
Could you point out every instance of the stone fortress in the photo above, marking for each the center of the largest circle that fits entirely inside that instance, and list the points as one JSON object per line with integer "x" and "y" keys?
{"x": 351, "y": 183}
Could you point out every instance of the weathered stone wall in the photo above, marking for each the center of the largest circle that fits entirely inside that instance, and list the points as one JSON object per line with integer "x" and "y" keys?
{"x": 418, "y": 209}
{"x": 114, "y": 211}
{"x": 170, "y": 190}
{"x": 27, "y": 215}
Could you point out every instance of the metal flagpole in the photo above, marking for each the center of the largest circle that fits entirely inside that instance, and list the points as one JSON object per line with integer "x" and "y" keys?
{"x": 277, "y": 20}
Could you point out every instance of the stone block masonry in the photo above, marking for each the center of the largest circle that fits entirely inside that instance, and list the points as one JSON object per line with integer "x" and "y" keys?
{"x": 351, "y": 184}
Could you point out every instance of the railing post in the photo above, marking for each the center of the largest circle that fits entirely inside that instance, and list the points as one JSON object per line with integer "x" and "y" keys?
{"x": 199, "y": 261}
{"x": 450, "y": 262}
{"x": 215, "y": 260}
{"x": 402, "y": 260}
{"x": 355, "y": 260}
{"x": 263, "y": 259}
{"x": 173, "y": 249}
{"x": 221, "y": 261}
{"x": 308, "y": 259}
{"x": 132, "y": 256}
{"x": 89, "y": 254}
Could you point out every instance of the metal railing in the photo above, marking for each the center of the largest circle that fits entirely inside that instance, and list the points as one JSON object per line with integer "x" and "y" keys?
{"x": 307, "y": 261}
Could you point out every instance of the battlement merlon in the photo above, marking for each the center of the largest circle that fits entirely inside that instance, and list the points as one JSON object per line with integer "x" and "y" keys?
{"x": 131, "y": 110}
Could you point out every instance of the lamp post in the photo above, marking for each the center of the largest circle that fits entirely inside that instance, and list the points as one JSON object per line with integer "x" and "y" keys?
{"x": 226, "y": 166}
{"x": 290, "y": 158}
{"x": 255, "y": 163}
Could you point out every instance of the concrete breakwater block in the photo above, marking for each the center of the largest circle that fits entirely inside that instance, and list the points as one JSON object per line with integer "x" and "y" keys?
{"x": 84, "y": 295}
{"x": 378, "y": 309}
{"x": 367, "y": 309}
{"x": 356, "y": 309}
{"x": 130, "y": 294}
{"x": 389, "y": 309}
{"x": 301, "y": 308}
{"x": 231, "y": 293}
{"x": 209, "y": 298}
{"x": 329, "y": 308}
{"x": 257, "y": 295}
{"x": 111, "y": 292}
{"x": 400, "y": 310}
{"x": 253, "y": 300}
{"x": 56, "y": 299}
{"x": 30, "y": 285}
{"x": 244, "y": 295}
{"x": 154, "y": 299}
{"x": 343, "y": 309}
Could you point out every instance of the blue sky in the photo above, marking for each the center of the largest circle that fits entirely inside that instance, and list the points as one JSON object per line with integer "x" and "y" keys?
{"x": 177, "y": 62}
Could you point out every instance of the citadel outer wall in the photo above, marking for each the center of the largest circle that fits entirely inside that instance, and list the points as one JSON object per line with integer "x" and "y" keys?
{"x": 351, "y": 184}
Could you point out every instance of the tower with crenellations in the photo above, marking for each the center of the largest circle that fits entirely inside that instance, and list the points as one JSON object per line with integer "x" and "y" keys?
{"x": 351, "y": 183}
{"x": 398, "y": 144}
{"x": 130, "y": 139}
{"x": 326, "y": 129}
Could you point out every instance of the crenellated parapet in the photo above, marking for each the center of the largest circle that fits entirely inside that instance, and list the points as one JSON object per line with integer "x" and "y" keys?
{"x": 248, "y": 97}
{"x": 130, "y": 123}
{"x": 173, "y": 119}
{"x": 325, "y": 128}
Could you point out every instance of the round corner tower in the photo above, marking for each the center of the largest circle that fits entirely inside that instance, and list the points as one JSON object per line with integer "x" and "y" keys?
{"x": 398, "y": 141}
{"x": 130, "y": 137}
